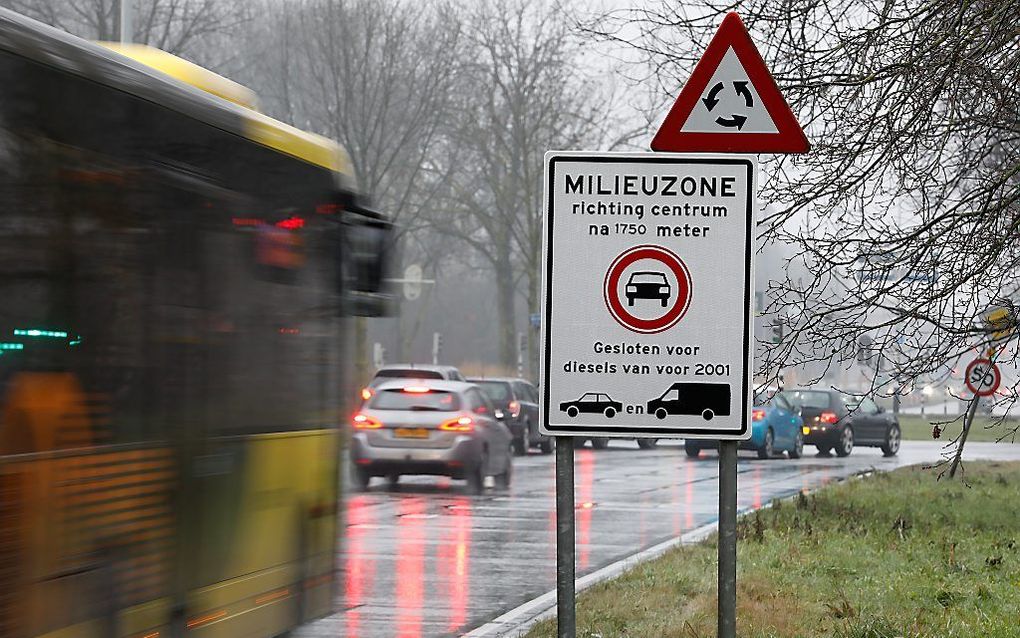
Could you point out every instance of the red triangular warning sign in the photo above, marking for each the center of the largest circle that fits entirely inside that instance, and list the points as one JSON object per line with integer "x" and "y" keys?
{"x": 731, "y": 104}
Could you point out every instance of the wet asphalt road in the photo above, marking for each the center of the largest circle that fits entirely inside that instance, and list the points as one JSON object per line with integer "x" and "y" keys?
{"x": 425, "y": 559}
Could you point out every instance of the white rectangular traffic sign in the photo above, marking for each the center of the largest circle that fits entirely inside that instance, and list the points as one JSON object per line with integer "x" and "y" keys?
{"x": 647, "y": 295}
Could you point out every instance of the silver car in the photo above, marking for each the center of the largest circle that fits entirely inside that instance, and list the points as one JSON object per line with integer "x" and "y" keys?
{"x": 415, "y": 426}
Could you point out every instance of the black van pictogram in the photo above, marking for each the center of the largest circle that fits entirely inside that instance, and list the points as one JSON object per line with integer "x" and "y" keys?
{"x": 707, "y": 399}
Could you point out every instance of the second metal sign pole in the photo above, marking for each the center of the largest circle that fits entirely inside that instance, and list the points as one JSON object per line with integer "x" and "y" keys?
{"x": 566, "y": 624}
{"x": 727, "y": 539}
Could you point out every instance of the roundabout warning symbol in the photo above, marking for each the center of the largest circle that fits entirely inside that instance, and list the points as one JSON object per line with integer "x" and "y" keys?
{"x": 647, "y": 289}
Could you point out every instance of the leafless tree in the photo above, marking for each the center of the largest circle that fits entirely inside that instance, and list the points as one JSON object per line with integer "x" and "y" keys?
{"x": 525, "y": 91}
{"x": 904, "y": 217}
{"x": 171, "y": 25}
{"x": 377, "y": 77}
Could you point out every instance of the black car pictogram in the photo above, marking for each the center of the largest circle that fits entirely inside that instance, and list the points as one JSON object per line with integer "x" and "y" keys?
{"x": 647, "y": 285}
{"x": 707, "y": 399}
{"x": 592, "y": 403}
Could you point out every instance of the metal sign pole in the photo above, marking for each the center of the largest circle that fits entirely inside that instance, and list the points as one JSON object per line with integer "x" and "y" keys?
{"x": 727, "y": 539}
{"x": 565, "y": 619}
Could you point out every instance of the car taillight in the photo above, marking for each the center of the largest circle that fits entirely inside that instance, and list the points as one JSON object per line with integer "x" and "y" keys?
{"x": 462, "y": 424}
{"x": 417, "y": 389}
{"x": 828, "y": 417}
{"x": 366, "y": 394}
{"x": 515, "y": 408}
{"x": 365, "y": 422}
{"x": 757, "y": 415}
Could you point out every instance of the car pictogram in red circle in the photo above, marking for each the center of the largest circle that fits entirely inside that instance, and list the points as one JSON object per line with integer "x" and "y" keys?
{"x": 681, "y": 299}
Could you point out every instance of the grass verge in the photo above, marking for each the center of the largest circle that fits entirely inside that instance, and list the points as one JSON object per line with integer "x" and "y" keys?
{"x": 894, "y": 555}
{"x": 916, "y": 428}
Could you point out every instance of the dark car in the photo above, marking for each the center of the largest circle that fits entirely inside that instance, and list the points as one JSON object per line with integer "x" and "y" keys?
{"x": 647, "y": 285}
{"x": 705, "y": 399}
{"x": 834, "y": 421}
{"x": 592, "y": 403}
{"x": 518, "y": 399}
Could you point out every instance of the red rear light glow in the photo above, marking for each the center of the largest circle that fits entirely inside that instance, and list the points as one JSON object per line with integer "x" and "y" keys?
{"x": 515, "y": 408}
{"x": 417, "y": 389}
{"x": 462, "y": 424}
{"x": 828, "y": 417}
{"x": 757, "y": 414}
{"x": 365, "y": 422}
{"x": 366, "y": 394}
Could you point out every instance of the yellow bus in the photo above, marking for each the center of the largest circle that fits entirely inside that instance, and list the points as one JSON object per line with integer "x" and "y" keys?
{"x": 175, "y": 269}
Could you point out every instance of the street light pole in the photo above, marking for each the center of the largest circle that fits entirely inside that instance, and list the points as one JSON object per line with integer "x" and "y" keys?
{"x": 125, "y": 22}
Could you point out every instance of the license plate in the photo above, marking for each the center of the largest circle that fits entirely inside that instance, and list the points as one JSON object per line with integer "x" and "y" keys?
{"x": 411, "y": 433}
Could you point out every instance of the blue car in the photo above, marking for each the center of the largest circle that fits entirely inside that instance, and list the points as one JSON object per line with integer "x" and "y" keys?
{"x": 776, "y": 427}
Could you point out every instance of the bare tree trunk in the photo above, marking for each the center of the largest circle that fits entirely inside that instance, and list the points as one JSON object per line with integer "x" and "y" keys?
{"x": 534, "y": 307}
{"x": 505, "y": 292}
{"x": 968, "y": 421}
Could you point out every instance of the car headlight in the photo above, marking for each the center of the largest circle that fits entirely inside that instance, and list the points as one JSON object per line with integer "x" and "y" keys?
{"x": 631, "y": 288}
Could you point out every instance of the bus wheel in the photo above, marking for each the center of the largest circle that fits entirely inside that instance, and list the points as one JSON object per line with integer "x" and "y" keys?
{"x": 707, "y": 415}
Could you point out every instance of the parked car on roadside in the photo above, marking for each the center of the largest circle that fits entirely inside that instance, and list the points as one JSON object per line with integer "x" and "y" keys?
{"x": 776, "y": 427}
{"x": 836, "y": 422}
{"x": 518, "y": 399}
{"x": 436, "y": 427}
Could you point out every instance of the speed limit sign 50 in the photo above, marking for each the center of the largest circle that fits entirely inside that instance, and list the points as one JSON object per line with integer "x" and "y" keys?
{"x": 982, "y": 377}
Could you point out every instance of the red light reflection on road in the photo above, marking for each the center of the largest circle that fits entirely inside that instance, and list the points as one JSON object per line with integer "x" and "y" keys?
{"x": 586, "y": 476}
{"x": 410, "y": 566}
{"x": 689, "y": 495}
{"x": 454, "y": 561}
{"x": 359, "y": 568}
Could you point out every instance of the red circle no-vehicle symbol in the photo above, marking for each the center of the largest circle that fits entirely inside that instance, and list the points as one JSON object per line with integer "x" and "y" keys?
{"x": 982, "y": 377}
{"x": 647, "y": 289}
